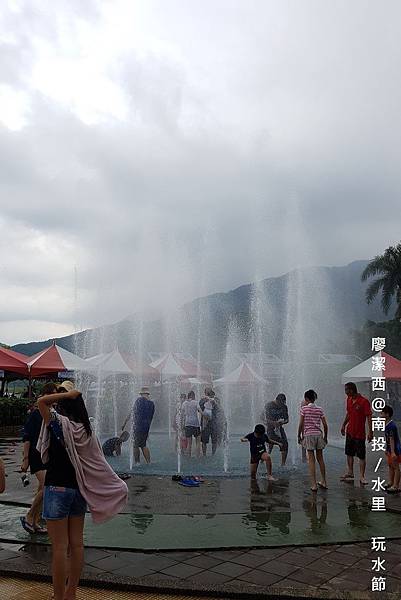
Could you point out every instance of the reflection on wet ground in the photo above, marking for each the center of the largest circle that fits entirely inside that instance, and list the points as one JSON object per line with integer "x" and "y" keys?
{"x": 315, "y": 524}
{"x": 225, "y": 511}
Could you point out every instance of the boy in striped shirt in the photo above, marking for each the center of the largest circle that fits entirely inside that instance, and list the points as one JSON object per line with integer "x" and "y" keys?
{"x": 312, "y": 438}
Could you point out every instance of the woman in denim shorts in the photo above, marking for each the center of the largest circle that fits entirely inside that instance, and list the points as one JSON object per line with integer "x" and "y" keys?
{"x": 64, "y": 507}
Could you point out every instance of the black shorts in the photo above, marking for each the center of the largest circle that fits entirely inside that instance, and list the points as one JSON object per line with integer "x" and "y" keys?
{"x": 140, "y": 439}
{"x": 206, "y": 433}
{"x": 355, "y": 447}
{"x": 256, "y": 458}
{"x": 192, "y": 431}
{"x": 210, "y": 432}
{"x": 35, "y": 461}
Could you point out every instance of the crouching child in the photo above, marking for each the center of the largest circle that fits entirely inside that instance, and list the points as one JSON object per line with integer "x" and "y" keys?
{"x": 257, "y": 446}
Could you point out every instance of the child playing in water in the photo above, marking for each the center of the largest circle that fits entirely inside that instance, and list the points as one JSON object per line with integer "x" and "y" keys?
{"x": 312, "y": 439}
{"x": 393, "y": 452}
{"x": 112, "y": 447}
{"x": 257, "y": 445}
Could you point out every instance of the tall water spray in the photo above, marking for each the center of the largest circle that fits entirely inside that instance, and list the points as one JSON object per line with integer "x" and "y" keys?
{"x": 259, "y": 328}
{"x": 230, "y": 359}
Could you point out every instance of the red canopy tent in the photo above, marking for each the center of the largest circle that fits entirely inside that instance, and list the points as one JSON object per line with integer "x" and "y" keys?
{"x": 50, "y": 360}
{"x": 364, "y": 370}
{"x": 54, "y": 359}
{"x": 139, "y": 368}
{"x": 176, "y": 366}
{"x": 13, "y": 361}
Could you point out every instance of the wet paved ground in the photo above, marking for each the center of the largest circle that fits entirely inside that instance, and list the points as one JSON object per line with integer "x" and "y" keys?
{"x": 304, "y": 570}
{"x": 219, "y": 495}
{"x": 15, "y": 589}
{"x": 325, "y": 570}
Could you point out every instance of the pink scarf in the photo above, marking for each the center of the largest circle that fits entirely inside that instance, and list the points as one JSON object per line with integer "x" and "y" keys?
{"x": 105, "y": 493}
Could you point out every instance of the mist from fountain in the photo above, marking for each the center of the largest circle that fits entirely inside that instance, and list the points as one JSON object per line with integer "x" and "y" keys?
{"x": 308, "y": 318}
{"x": 294, "y": 332}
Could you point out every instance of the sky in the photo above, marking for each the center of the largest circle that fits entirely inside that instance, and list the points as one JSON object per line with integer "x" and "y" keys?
{"x": 157, "y": 151}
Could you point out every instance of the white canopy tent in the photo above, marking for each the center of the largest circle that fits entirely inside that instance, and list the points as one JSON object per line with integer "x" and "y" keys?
{"x": 241, "y": 375}
{"x": 111, "y": 363}
{"x": 169, "y": 366}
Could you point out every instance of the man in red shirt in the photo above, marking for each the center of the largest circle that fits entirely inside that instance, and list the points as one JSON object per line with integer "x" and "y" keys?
{"x": 354, "y": 427}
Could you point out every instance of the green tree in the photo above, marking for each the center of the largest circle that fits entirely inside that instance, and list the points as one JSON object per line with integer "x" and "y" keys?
{"x": 388, "y": 267}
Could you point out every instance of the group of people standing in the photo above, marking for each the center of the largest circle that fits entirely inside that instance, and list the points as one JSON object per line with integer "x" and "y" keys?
{"x": 313, "y": 437}
{"x": 200, "y": 421}
{"x": 63, "y": 452}
{"x": 196, "y": 423}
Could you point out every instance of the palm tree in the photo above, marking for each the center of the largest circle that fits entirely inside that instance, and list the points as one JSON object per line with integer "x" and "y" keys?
{"x": 388, "y": 265}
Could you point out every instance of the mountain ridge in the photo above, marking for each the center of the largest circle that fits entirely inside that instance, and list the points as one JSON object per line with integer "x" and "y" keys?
{"x": 318, "y": 300}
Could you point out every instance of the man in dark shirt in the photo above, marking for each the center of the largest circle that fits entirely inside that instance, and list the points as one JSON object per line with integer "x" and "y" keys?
{"x": 141, "y": 419}
{"x": 275, "y": 416}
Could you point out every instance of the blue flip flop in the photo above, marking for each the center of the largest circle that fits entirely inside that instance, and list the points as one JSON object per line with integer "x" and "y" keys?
{"x": 28, "y": 528}
{"x": 189, "y": 483}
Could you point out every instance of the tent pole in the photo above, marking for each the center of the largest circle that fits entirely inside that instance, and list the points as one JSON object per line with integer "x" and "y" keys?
{"x": 29, "y": 384}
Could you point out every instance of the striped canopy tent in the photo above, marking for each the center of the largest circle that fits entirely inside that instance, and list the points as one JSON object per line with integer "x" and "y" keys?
{"x": 172, "y": 365}
{"x": 244, "y": 374}
{"x": 13, "y": 361}
{"x": 364, "y": 371}
{"x": 196, "y": 381}
{"x": 13, "y": 365}
{"x": 139, "y": 368}
{"x": 110, "y": 363}
{"x": 53, "y": 360}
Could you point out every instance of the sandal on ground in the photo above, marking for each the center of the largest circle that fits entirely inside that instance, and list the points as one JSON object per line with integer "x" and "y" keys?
{"x": 313, "y": 489}
{"x": 364, "y": 482}
{"x": 347, "y": 477}
{"x": 392, "y": 490}
{"x": 41, "y": 530}
{"x": 27, "y": 526}
{"x": 189, "y": 483}
{"x": 322, "y": 485}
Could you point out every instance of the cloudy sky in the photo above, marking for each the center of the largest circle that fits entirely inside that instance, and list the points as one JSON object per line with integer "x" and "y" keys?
{"x": 153, "y": 151}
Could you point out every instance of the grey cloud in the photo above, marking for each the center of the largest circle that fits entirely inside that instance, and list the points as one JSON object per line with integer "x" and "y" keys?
{"x": 263, "y": 142}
